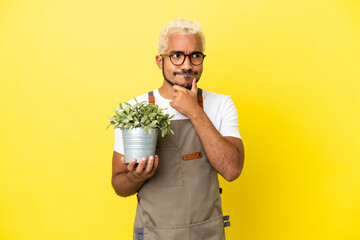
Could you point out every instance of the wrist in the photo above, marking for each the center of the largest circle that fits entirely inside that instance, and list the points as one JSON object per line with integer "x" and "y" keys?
{"x": 196, "y": 114}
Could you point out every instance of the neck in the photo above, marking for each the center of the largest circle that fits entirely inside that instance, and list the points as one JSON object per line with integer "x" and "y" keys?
{"x": 166, "y": 90}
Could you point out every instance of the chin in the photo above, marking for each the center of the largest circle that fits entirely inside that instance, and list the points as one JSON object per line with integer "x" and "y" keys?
{"x": 184, "y": 84}
{"x": 186, "y": 81}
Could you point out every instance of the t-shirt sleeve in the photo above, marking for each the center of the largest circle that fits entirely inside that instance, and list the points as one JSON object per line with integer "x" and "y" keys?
{"x": 118, "y": 146}
{"x": 229, "y": 123}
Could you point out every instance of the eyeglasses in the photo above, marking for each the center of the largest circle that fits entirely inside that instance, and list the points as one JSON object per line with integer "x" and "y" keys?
{"x": 177, "y": 58}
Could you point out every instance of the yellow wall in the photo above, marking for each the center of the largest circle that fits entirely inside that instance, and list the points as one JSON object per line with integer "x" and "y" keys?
{"x": 292, "y": 68}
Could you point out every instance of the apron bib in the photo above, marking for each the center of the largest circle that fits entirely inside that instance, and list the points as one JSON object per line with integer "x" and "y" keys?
{"x": 182, "y": 199}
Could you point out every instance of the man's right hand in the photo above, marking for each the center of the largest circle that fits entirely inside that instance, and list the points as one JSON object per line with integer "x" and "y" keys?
{"x": 141, "y": 172}
{"x": 127, "y": 179}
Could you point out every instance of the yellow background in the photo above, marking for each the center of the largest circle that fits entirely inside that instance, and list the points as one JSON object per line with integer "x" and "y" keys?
{"x": 292, "y": 68}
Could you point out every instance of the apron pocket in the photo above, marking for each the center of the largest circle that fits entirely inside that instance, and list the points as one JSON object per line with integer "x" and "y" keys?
{"x": 168, "y": 173}
{"x": 212, "y": 229}
{"x": 166, "y": 233}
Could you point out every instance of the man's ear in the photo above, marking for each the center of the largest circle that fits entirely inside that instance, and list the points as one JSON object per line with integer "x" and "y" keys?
{"x": 159, "y": 61}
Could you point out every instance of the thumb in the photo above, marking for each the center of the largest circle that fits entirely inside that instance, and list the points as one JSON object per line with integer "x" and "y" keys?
{"x": 194, "y": 86}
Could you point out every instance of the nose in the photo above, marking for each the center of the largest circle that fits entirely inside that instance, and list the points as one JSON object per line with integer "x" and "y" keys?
{"x": 187, "y": 64}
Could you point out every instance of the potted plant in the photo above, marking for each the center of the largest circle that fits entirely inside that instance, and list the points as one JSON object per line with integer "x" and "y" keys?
{"x": 140, "y": 124}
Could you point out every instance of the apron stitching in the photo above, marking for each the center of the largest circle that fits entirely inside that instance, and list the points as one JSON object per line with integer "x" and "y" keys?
{"x": 188, "y": 225}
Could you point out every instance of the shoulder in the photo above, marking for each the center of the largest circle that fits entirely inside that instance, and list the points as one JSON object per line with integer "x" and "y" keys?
{"x": 211, "y": 98}
{"x": 141, "y": 98}
{"x": 221, "y": 110}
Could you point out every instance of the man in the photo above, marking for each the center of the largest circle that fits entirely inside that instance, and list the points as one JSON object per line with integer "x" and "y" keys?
{"x": 178, "y": 189}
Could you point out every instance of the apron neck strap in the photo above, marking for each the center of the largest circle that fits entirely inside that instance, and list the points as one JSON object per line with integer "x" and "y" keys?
{"x": 199, "y": 97}
{"x": 151, "y": 97}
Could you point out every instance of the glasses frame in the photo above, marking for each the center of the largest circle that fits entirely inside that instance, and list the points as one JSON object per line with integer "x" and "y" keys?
{"x": 185, "y": 55}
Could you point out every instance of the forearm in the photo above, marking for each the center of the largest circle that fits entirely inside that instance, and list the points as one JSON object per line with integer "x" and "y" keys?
{"x": 225, "y": 158}
{"x": 124, "y": 185}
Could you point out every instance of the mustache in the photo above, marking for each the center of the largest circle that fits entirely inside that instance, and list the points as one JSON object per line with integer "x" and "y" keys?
{"x": 186, "y": 72}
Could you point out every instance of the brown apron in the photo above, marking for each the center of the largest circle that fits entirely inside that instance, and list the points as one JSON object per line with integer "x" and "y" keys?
{"x": 181, "y": 201}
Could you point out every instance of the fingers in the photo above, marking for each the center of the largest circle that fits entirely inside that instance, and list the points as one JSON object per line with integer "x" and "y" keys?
{"x": 140, "y": 168}
{"x": 150, "y": 164}
{"x": 194, "y": 86}
{"x": 156, "y": 162}
{"x": 175, "y": 94}
{"x": 143, "y": 171}
{"x": 131, "y": 165}
{"x": 172, "y": 104}
{"x": 179, "y": 88}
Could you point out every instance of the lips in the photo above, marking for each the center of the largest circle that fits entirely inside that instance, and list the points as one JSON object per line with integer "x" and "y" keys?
{"x": 186, "y": 72}
{"x": 187, "y": 76}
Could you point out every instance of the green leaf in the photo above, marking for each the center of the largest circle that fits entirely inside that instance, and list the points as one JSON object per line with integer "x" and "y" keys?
{"x": 143, "y": 119}
{"x": 152, "y": 115}
{"x": 142, "y": 114}
{"x": 153, "y": 125}
{"x": 121, "y": 114}
{"x": 127, "y": 110}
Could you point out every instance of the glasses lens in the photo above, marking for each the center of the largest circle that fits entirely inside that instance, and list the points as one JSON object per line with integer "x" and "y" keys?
{"x": 177, "y": 58}
{"x": 197, "y": 58}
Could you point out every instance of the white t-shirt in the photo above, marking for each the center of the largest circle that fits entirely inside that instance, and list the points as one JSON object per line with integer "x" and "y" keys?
{"x": 219, "y": 108}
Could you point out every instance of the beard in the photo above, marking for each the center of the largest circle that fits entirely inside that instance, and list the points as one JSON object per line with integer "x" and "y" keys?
{"x": 187, "y": 75}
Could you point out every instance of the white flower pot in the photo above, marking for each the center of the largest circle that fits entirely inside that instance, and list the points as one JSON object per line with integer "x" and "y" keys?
{"x": 138, "y": 143}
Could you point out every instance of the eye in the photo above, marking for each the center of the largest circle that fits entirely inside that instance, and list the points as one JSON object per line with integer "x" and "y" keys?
{"x": 175, "y": 55}
{"x": 196, "y": 55}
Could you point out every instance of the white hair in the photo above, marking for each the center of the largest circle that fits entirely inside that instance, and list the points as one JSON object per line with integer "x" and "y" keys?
{"x": 180, "y": 26}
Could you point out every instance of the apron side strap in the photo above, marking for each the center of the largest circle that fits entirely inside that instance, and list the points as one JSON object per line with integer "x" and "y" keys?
{"x": 139, "y": 230}
{"x": 226, "y": 224}
{"x": 226, "y": 221}
{"x": 139, "y": 237}
{"x": 139, "y": 233}
{"x": 151, "y": 97}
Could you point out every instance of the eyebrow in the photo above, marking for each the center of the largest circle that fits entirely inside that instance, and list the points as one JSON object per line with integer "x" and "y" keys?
{"x": 176, "y": 52}
{"x": 183, "y": 52}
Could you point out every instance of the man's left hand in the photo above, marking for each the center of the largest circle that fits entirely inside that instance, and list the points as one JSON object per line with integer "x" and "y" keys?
{"x": 185, "y": 101}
